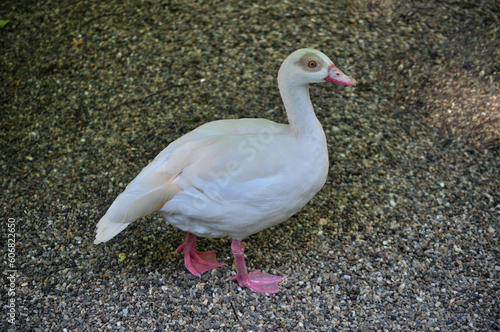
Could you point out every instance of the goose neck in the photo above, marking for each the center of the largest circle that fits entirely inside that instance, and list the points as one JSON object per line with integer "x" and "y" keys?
{"x": 299, "y": 110}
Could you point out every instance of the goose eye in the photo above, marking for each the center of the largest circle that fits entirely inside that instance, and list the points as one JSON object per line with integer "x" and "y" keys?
{"x": 312, "y": 64}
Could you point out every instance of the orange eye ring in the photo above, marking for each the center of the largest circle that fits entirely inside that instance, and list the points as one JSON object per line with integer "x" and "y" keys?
{"x": 312, "y": 64}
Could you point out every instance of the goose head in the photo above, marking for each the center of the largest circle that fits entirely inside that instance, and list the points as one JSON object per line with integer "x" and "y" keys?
{"x": 306, "y": 66}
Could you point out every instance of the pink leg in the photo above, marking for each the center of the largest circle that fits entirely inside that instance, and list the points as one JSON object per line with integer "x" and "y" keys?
{"x": 256, "y": 281}
{"x": 197, "y": 262}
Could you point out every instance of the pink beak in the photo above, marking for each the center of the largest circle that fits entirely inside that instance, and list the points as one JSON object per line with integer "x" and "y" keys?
{"x": 335, "y": 75}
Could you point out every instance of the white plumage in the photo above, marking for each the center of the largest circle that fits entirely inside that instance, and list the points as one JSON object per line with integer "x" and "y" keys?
{"x": 236, "y": 177}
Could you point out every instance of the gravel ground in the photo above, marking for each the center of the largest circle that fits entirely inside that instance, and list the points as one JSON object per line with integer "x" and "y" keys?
{"x": 403, "y": 236}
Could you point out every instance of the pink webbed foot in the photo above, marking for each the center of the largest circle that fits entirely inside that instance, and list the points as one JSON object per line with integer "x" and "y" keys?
{"x": 197, "y": 262}
{"x": 257, "y": 281}
{"x": 260, "y": 282}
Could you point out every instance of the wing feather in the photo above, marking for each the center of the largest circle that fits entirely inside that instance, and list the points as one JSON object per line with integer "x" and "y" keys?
{"x": 219, "y": 151}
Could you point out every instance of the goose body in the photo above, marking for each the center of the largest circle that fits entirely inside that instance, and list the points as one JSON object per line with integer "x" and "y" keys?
{"x": 236, "y": 177}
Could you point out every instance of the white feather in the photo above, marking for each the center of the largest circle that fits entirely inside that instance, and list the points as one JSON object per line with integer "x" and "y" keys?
{"x": 235, "y": 177}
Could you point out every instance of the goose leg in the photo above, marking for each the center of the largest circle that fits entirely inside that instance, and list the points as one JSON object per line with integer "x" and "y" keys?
{"x": 256, "y": 281}
{"x": 197, "y": 262}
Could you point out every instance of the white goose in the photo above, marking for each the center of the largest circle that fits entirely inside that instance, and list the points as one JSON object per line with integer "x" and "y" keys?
{"x": 236, "y": 177}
